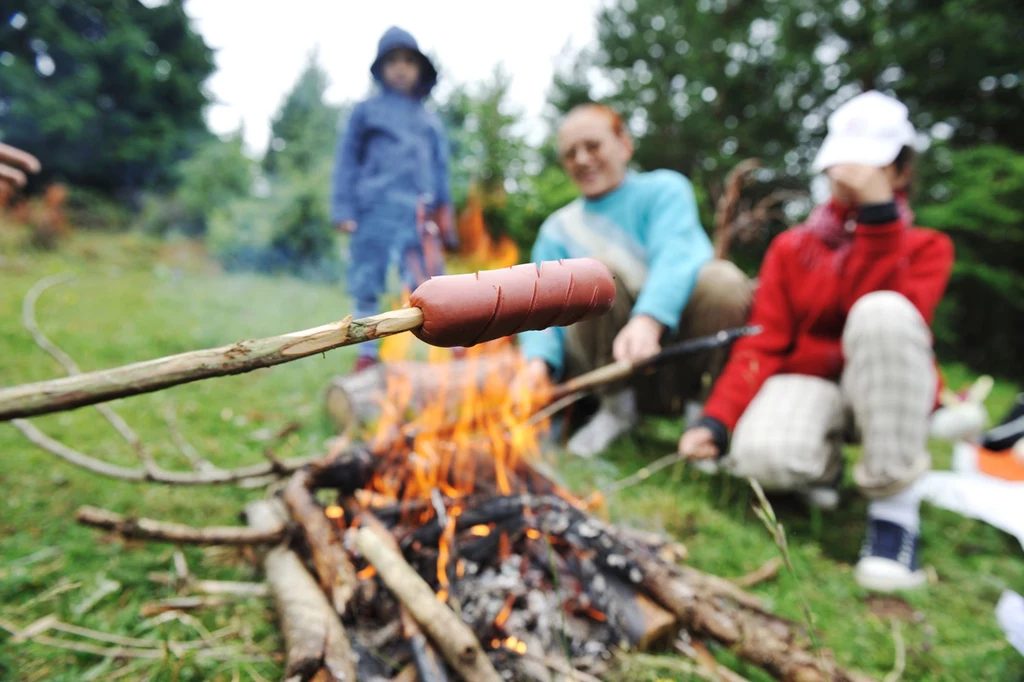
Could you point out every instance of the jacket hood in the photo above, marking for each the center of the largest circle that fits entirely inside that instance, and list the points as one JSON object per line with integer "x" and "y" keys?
{"x": 393, "y": 39}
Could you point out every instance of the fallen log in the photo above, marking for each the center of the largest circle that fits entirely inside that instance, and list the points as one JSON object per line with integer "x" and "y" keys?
{"x": 148, "y": 529}
{"x": 315, "y": 641}
{"x": 333, "y": 566}
{"x": 450, "y": 635}
{"x": 355, "y": 401}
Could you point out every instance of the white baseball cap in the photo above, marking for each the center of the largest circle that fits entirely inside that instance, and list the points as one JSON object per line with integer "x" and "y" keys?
{"x": 869, "y": 129}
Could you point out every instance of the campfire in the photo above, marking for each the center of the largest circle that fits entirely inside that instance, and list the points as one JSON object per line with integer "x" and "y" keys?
{"x": 456, "y": 486}
{"x": 433, "y": 542}
{"x": 446, "y": 514}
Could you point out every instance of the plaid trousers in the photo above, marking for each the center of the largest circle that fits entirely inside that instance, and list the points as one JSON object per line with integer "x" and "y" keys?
{"x": 720, "y": 300}
{"x": 791, "y": 434}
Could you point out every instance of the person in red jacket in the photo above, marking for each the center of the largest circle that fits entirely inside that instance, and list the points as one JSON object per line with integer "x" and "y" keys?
{"x": 845, "y": 301}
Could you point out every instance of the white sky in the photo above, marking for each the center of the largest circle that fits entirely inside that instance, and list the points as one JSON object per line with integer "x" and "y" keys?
{"x": 262, "y": 46}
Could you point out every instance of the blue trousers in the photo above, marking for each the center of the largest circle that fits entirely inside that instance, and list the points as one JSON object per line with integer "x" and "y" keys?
{"x": 374, "y": 247}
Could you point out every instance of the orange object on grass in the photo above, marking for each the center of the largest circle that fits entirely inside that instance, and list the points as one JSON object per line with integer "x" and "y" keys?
{"x": 1000, "y": 464}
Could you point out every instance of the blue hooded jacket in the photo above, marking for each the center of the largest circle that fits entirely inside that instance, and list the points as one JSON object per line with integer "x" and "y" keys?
{"x": 394, "y": 152}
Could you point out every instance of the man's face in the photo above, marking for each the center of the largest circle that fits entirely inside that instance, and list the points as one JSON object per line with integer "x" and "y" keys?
{"x": 592, "y": 154}
{"x": 401, "y": 70}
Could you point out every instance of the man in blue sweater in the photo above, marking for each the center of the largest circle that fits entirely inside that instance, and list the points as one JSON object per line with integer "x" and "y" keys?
{"x": 391, "y": 179}
{"x": 645, "y": 228}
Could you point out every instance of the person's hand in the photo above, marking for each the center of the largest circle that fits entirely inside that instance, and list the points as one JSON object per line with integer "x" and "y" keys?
{"x": 858, "y": 185}
{"x": 348, "y": 226}
{"x": 638, "y": 340}
{"x": 14, "y": 163}
{"x": 698, "y": 443}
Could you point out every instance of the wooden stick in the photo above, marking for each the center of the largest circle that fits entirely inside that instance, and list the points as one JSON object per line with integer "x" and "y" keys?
{"x": 148, "y": 529}
{"x": 453, "y": 638}
{"x": 213, "y": 587}
{"x": 28, "y": 318}
{"x": 71, "y": 392}
{"x": 427, "y": 663}
{"x": 156, "y": 474}
{"x": 623, "y": 368}
{"x": 142, "y": 649}
{"x": 768, "y": 571}
{"x": 315, "y": 639}
{"x": 158, "y": 606}
{"x": 198, "y": 462}
{"x": 333, "y": 566}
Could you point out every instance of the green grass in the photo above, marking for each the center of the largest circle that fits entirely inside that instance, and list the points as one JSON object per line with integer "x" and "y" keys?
{"x": 136, "y": 299}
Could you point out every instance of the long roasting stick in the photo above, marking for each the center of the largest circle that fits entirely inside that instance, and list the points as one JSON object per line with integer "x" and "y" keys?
{"x": 623, "y": 368}
{"x": 79, "y": 390}
{"x": 572, "y": 391}
{"x": 455, "y": 310}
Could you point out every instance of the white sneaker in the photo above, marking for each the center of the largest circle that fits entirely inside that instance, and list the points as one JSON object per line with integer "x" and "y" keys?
{"x": 820, "y": 497}
{"x": 616, "y": 416}
{"x": 888, "y": 560}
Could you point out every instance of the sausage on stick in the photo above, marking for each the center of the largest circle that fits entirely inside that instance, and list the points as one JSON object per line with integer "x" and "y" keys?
{"x": 452, "y": 310}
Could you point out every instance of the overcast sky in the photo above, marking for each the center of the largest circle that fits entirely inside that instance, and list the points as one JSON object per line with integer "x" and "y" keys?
{"x": 262, "y": 46}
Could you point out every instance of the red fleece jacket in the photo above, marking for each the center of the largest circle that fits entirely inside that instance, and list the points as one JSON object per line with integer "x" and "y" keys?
{"x": 805, "y": 292}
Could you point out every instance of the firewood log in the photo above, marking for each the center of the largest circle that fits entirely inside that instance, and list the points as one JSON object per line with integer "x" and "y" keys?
{"x": 316, "y": 644}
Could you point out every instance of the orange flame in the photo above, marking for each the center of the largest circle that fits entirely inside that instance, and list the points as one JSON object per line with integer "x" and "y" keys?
{"x": 505, "y": 612}
{"x": 477, "y": 244}
{"x": 444, "y": 550}
{"x": 459, "y": 428}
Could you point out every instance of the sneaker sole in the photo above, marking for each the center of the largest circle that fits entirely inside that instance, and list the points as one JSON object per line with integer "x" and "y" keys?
{"x": 873, "y": 575}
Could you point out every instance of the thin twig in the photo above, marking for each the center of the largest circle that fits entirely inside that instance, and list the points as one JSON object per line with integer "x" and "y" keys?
{"x": 159, "y": 606}
{"x": 768, "y": 571}
{"x": 148, "y": 529}
{"x": 558, "y": 405}
{"x": 198, "y": 462}
{"x": 900, "y": 663}
{"x": 157, "y": 475}
{"x": 644, "y": 473}
{"x": 213, "y": 587}
{"x": 151, "y": 650}
{"x": 189, "y": 620}
{"x": 709, "y": 667}
{"x": 28, "y": 318}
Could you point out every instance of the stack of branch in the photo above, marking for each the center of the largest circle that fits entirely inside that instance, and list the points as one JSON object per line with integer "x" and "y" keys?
{"x": 311, "y": 571}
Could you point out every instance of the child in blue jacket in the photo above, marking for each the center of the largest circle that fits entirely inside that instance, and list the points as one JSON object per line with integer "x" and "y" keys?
{"x": 391, "y": 180}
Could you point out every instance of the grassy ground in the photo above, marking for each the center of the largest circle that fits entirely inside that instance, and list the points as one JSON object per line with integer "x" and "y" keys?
{"x": 136, "y": 299}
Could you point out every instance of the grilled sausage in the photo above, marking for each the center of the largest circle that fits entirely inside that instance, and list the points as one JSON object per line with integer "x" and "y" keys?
{"x": 464, "y": 310}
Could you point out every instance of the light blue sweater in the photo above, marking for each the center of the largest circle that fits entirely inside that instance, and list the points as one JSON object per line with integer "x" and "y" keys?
{"x": 651, "y": 219}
